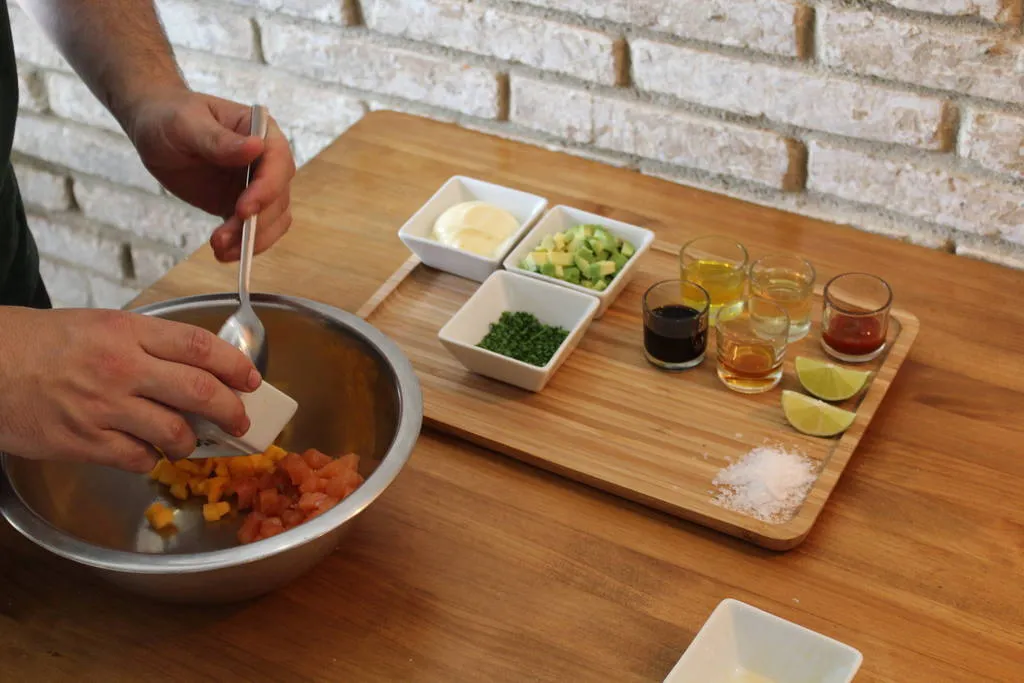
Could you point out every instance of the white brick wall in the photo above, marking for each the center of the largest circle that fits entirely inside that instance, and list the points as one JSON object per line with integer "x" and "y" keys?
{"x": 904, "y": 119}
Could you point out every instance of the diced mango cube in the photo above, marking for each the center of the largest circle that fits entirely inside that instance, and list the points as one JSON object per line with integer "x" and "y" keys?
{"x": 179, "y": 490}
{"x": 206, "y": 465}
{"x": 197, "y": 485}
{"x": 188, "y": 467}
{"x": 215, "y": 488}
{"x": 221, "y": 468}
{"x": 240, "y": 466}
{"x": 158, "y": 469}
{"x": 261, "y": 463}
{"x": 159, "y": 516}
{"x": 214, "y": 511}
{"x": 275, "y": 453}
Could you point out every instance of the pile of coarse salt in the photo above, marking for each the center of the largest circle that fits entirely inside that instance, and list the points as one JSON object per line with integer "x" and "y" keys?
{"x": 768, "y": 483}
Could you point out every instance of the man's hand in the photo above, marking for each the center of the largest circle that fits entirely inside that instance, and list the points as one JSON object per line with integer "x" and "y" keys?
{"x": 107, "y": 386}
{"x": 198, "y": 146}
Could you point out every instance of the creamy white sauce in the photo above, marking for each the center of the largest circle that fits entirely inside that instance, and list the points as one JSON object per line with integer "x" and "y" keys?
{"x": 477, "y": 227}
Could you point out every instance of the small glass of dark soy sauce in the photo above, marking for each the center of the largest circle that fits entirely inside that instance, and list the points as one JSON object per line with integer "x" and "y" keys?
{"x": 676, "y": 324}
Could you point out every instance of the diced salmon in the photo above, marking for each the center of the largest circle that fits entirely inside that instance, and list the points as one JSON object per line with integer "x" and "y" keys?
{"x": 337, "y": 487}
{"x": 268, "y": 502}
{"x": 310, "y": 501}
{"x": 332, "y": 469}
{"x": 296, "y": 468}
{"x": 245, "y": 489}
{"x": 266, "y": 481}
{"x": 310, "y": 484}
{"x": 292, "y": 517}
{"x": 271, "y": 526}
{"x": 315, "y": 459}
{"x": 250, "y": 528}
{"x": 351, "y": 461}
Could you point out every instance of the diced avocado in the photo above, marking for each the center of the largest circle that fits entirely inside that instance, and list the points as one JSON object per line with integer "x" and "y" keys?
{"x": 586, "y": 254}
{"x": 560, "y": 258}
{"x": 577, "y": 243}
{"x": 601, "y": 268}
{"x": 619, "y": 260}
{"x": 571, "y": 274}
{"x": 547, "y": 269}
{"x": 529, "y": 264}
{"x": 560, "y": 272}
{"x": 547, "y": 244}
{"x": 576, "y": 232}
{"x": 581, "y": 263}
{"x": 588, "y": 230}
{"x": 560, "y": 240}
{"x": 600, "y": 285}
{"x": 627, "y": 249}
{"x": 540, "y": 257}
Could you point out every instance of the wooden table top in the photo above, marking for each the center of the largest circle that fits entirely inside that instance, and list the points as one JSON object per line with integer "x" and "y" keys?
{"x": 477, "y": 567}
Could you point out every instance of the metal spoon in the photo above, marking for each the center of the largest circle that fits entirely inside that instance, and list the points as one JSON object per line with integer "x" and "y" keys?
{"x": 244, "y": 330}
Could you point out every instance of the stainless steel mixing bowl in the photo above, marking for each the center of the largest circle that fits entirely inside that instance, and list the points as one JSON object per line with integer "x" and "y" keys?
{"x": 356, "y": 392}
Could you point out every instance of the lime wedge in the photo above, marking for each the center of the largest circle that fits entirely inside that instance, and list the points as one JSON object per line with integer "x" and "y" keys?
{"x": 830, "y": 382}
{"x": 811, "y": 416}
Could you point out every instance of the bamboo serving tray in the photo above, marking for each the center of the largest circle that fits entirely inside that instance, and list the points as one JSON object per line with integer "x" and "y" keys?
{"x": 611, "y": 420}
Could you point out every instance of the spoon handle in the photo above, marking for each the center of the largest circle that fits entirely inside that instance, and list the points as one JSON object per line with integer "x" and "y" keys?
{"x": 258, "y": 127}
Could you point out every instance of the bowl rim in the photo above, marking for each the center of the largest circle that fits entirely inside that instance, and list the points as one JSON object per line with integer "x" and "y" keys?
{"x": 410, "y": 406}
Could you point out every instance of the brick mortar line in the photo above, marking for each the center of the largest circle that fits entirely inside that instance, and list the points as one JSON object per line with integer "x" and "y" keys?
{"x": 884, "y": 9}
{"x": 86, "y": 270}
{"x": 104, "y": 229}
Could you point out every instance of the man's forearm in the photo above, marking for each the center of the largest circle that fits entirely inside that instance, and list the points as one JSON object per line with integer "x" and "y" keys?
{"x": 118, "y": 47}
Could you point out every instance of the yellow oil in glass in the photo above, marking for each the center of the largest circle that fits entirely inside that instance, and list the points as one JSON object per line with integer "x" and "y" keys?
{"x": 725, "y": 282}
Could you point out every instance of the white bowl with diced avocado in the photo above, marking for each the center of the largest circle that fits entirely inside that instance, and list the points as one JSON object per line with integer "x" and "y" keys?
{"x": 582, "y": 251}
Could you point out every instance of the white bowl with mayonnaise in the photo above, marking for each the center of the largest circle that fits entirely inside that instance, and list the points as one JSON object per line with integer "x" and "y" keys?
{"x": 469, "y": 226}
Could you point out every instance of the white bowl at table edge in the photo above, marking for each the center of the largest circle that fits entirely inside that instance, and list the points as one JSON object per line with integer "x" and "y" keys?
{"x": 416, "y": 232}
{"x": 718, "y": 644}
{"x": 561, "y": 218}
{"x": 506, "y": 291}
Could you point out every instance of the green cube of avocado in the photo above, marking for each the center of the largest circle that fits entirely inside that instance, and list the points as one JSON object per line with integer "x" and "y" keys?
{"x": 586, "y": 254}
{"x": 529, "y": 264}
{"x": 571, "y": 274}
{"x": 576, "y": 232}
{"x": 547, "y": 244}
{"x": 560, "y": 258}
{"x": 626, "y": 249}
{"x": 599, "y": 269}
{"x": 560, "y": 240}
{"x": 600, "y": 285}
{"x": 559, "y": 272}
{"x": 540, "y": 257}
{"x": 619, "y": 260}
{"x": 547, "y": 269}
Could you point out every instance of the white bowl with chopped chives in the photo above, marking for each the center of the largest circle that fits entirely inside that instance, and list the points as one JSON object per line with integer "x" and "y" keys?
{"x": 544, "y": 307}
{"x": 581, "y": 251}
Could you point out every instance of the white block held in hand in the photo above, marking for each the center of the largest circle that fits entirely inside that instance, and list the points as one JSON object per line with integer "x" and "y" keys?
{"x": 269, "y": 411}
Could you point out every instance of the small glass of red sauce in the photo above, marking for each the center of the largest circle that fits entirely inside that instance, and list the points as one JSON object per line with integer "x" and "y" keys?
{"x": 856, "y": 317}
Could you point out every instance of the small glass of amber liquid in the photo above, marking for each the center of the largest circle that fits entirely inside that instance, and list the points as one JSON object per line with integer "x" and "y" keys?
{"x": 752, "y": 344}
{"x": 855, "y": 320}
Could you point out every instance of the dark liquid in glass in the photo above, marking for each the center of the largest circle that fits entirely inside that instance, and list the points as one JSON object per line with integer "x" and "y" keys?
{"x": 854, "y": 336}
{"x": 675, "y": 333}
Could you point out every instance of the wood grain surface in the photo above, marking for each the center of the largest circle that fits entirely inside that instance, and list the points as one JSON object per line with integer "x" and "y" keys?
{"x": 476, "y": 567}
{"x": 610, "y": 419}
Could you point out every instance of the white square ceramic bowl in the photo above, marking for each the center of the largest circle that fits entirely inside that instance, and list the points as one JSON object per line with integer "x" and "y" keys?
{"x": 562, "y": 218}
{"x": 416, "y": 233}
{"x": 504, "y": 291}
{"x": 738, "y": 637}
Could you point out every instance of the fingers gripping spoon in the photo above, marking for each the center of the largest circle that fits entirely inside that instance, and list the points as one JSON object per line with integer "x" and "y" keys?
{"x": 269, "y": 410}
